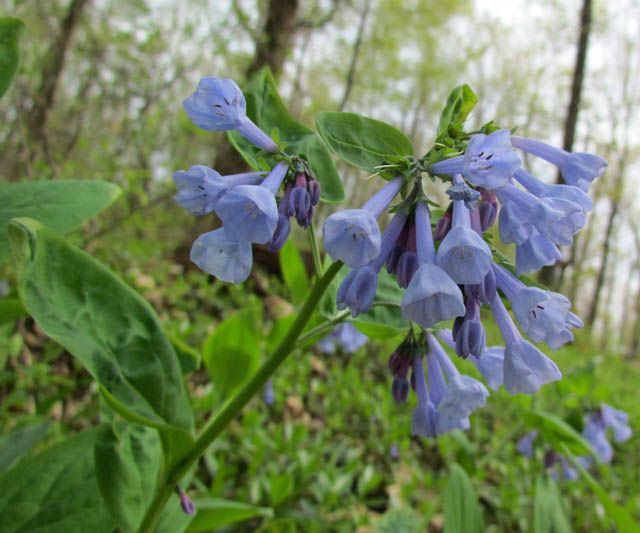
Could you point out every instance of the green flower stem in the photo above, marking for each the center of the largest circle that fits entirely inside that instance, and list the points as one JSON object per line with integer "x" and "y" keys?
{"x": 326, "y": 327}
{"x": 315, "y": 252}
{"x": 233, "y": 407}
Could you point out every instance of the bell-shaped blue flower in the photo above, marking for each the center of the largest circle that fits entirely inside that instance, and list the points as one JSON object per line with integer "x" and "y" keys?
{"x": 558, "y": 220}
{"x": 432, "y": 296}
{"x": 594, "y": 432}
{"x": 200, "y": 187}
{"x": 525, "y": 444}
{"x": 566, "y": 192}
{"x": 250, "y": 212}
{"x": 425, "y": 418}
{"x": 618, "y": 421}
{"x": 352, "y": 236}
{"x": 577, "y": 169}
{"x": 463, "y": 254}
{"x": 217, "y": 104}
{"x": 526, "y": 368}
{"x": 228, "y": 260}
{"x": 535, "y": 253}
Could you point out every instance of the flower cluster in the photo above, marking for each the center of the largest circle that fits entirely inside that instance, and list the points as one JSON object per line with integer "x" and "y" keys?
{"x": 594, "y": 432}
{"x": 455, "y": 280}
{"x": 246, "y": 203}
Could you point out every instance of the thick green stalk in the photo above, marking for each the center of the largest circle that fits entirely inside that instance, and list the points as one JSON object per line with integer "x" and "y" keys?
{"x": 233, "y": 407}
{"x": 315, "y": 252}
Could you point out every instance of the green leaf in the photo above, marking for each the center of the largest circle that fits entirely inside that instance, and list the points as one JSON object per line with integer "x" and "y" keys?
{"x": 215, "y": 513}
{"x": 277, "y": 332}
{"x": 232, "y": 352}
{"x": 10, "y": 30}
{"x": 462, "y": 514}
{"x": 281, "y": 486}
{"x": 266, "y": 109}
{"x": 363, "y": 142}
{"x": 104, "y": 323}
{"x": 56, "y": 490}
{"x": 556, "y": 432}
{"x": 459, "y": 104}
{"x": 62, "y": 205}
{"x": 549, "y": 513}
{"x": 188, "y": 358}
{"x": 619, "y": 515}
{"x": 17, "y": 443}
{"x": 294, "y": 271}
{"x": 10, "y": 309}
{"x": 127, "y": 467}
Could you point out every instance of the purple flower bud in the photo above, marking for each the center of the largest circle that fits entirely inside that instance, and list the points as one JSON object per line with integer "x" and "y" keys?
{"x": 313, "y": 186}
{"x": 488, "y": 209}
{"x": 443, "y": 226}
{"x": 281, "y": 234}
{"x": 185, "y": 502}
{"x": 400, "y": 389}
{"x": 407, "y": 267}
{"x": 357, "y": 291}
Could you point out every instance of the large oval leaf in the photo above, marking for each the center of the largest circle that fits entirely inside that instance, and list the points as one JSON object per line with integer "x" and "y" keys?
{"x": 266, "y": 109}
{"x": 361, "y": 141}
{"x": 104, "y": 323}
{"x": 55, "y": 491}
{"x": 61, "y": 205}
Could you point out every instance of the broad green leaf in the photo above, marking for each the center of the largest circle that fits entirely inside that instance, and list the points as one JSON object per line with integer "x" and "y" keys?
{"x": 294, "y": 271}
{"x": 127, "y": 467}
{"x": 104, "y": 323}
{"x": 56, "y": 490}
{"x": 17, "y": 443}
{"x": 266, "y": 109}
{"x": 10, "y": 309}
{"x": 363, "y": 142}
{"x": 462, "y": 514}
{"x": 459, "y": 104}
{"x": 622, "y": 519}
{"x": 10, "y": 30}
{"x": 281, "y": 486}
{"x": 214, "y": 513}
{"x": 549, "y": 513}
{"x": 232, "y": 352}
{"x": 557, "y": 432}
{"x": 62, "y": 205}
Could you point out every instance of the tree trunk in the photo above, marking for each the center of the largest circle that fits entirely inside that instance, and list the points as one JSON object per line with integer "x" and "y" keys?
{"x": 548, "y": 274}
{"x": 37, "y": 117}
{"x": 351, "y": 75}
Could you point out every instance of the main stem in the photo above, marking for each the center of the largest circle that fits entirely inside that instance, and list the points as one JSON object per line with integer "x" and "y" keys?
{"x": 237, "y": 403}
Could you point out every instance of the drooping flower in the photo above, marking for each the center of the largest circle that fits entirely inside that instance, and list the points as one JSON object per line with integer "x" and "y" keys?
{"x": 250, "y": 212}
{"x": 346, "y": 335}
{"x": 227, "y": 260}
{"x": 526, "y": 368}
{"x": 218, "y": 104}
{"x": 200, "y": 187}
{"x": 352, "y": 236}
{"x": 525, "y": 444}
{"x": 463, "y": 254}
{"x": 577, "y": 169}
{"x": 432, "y": 296}
{"x": 489, "y": 161}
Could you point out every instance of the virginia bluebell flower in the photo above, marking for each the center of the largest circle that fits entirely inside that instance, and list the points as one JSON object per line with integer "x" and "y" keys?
{"x": 352, "y": 236}
{"x": 200, "y": 187}
{"x": 534, "y": 253}
{"x": 543, "y": 315}
{"x": 346, "y": 336}
{"x": 596, "y": 425}
{"x": 526, "y": 368}
{"x": 228, "y": 260}
{"x": 218, "y": 104}
{"x": 432, "y": 296}
{"x": 577, "y": 169}
{"x": 463, "y": 254}
{"x": 525, "y": 444}
{"x": 358, "y": 288}
{"x": 489, "y": 161}
{"x": 250, "y": 212}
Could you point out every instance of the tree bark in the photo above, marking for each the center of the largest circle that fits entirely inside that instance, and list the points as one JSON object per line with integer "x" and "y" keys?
{"x": 44, "y": 96}
{"x": 548, "y": 274}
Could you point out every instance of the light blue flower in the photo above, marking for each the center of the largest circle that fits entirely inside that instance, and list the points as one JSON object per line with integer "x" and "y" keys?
{"x": 352, "y": 236}
{"x": 514, "y": 223}
{"x": 228, "y": 260}
{"x": 577, "y": 169}
{"x": 526, "y": 368}
{"x": 346, "y": 335}
{"x": 525, "y": 444}
{"x": 250, "y": 212}
{"x": 534, "y": 253}
{"x": 200, "y": 187}
{"x": 219, "y": 105}
{"x": 425, "y": 418}
{"x": 489, "y": 161}
{"x": 432, "y": 296}
{"x": 558, "y": 220}
{"x": 463, "y": 254}
{"x": 541, "y": 190}
{"x": 594, "y": 432}
{"x": 618, "y": 421}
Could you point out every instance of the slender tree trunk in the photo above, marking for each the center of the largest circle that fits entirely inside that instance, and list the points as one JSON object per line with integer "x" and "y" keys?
{"x": 351, "y": 74}
{"x": 548, "y": 274}
{"x": 37, "y": 117}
